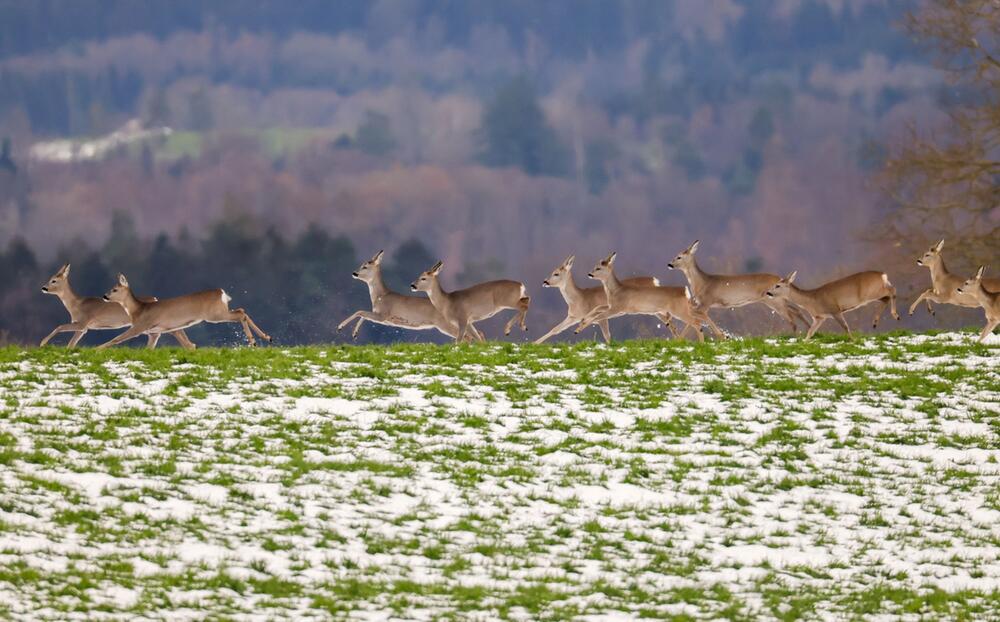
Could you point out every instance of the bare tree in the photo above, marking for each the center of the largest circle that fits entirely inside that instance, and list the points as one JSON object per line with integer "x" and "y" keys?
{"x": 946, "y": 181}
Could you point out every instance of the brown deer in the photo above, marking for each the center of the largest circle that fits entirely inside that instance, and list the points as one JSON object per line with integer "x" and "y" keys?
{"x": 393, "y": 309}
{"x": 582, "y": 300}
{"x": 731, "y": 290}
{"x": 627, "y": 299}
{"x": 944, "y": 284}
{"x": 989, "y": 301}
{"x": 91, "y": 313}
{"x": 164, "y": 316}
{"x": 479, "y": 302}
{"x": 835, "y": 298}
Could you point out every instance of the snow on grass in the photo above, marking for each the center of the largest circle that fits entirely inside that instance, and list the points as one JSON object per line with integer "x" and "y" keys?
{"x": 753, "y": 479}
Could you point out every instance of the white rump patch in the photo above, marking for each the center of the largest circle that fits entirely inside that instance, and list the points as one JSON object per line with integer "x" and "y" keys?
{"x": 687, "y": 292}
{"x": 885, "y": 279}
{"x": 524, "y": 292}
{"x": 225, "y": 298}
{"x": 656, "y": 282}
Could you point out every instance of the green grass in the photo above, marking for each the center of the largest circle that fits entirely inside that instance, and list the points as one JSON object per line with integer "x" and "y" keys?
{"x": 750, "y": 479}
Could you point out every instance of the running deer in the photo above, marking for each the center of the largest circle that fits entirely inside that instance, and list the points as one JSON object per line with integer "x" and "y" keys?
{"x": 582, "y": 300}
{"x": 393, "y": 309}
{"x": 479, "y": 302}
{"x": 944, "y": 284}
{"x": 989, "y": 301}
{"x": 91, "y": 313}
{"x": 628, "y": 299}
{"x": 835, "y": 298}
{"x": 164, "y": 316}
{"x": 731, "y": 290}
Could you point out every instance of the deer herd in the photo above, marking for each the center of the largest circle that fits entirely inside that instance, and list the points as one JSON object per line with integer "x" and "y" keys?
{"x": 455, "y": 313}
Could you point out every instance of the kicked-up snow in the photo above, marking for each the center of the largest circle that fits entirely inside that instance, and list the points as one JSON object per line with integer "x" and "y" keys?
{"x": 757, "y": 479}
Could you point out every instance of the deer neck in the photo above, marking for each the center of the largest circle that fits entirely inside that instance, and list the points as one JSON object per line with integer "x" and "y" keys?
{"x": 801, "y": 297}
{"x": 938, "y": 271}
{"x": 570, "y": 291}
{"x": 696, "y": 277}
{"x": 70, "y": 299}
{"x": 611, "y": 284}
{"x": 376, "y": 287}
{"x": 132, "y": 305}
{"x": 439, "y": 297}
{"x": 986, "y": 298}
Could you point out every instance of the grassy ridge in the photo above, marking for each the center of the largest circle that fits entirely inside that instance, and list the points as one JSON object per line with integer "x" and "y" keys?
{"x": 751, "y": 479}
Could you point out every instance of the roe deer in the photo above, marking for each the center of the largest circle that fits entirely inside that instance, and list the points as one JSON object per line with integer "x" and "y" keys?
{"x": 582, "y": 300}
{"x": 731, "y": 290}
{"x": 944, "y": 284}
{"x": 393, "y": 309}
{"x": 91, "y": 313}
{"x": 989, "y": 301}
{"x": 164, "y": 316}
{"x": 464, "y": 306}
{"x": 833, "y": 299}
{"x": 626, "y": 299}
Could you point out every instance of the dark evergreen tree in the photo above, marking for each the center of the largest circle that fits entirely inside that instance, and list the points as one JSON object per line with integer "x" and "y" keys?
{"x": 514, "y": 132}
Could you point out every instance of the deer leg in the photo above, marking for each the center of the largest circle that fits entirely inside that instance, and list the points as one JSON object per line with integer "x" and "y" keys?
{"x": 474, "y": 330}
{"x": 463, "y": 329}
{"x": 349, "y": 319}
{"x": 64, "y": 328}
{"x": 561, "y": 326}
{"x": 182, "y": 339}
{"x": 361, "y": 316}
{"x": 357, "y": 328}
{"x": 798, "y": 313}
{"x": 596, "y": 314}
{"x": 125, "y": 336}
{"x": 684, "y": 333}
{"x": 605, "y": 330}
{"x": 522, "y": 304}
{"x": 781, "y": 308}
{"x": 816, "y": 323}
{"x": 882, "y": 304}
{"x": 693, "y": 321}
{"x": 843, "y": 322}
{"x": 988, "y": 330}
{"x": 75, "y": 339}
{"x": 256, "y": 328}
{"x": 712, "y": 325}
{"x": 151, "y": 340}
{"x": 235, "y": 315}
{"x": 925, "y": 296}
{"x": 892, "y": 303}
{"x": 665, "y": 318}
{"x": 510, "y": 323}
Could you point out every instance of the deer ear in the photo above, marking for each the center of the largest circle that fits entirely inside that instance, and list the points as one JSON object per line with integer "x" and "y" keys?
{"x": 791, "y": 277}
{"x": 611, "y": 257}
{"x": 378, "y": 257}
{"x": 979, "y": 274}
{"x": 693, "y": 247}
{"x": 64, "y": 271}
{"x": 939, "y": 246}
{"x": 569, "y": 261}
{"x": 436, "y": 268}
{"x": 122, "y": 280}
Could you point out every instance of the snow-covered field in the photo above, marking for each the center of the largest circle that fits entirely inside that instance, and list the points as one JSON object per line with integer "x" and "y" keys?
{"x": 747, "y": 479}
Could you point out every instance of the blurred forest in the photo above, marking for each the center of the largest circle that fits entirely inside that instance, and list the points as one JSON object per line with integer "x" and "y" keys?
{"x": 269, "y": 147}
